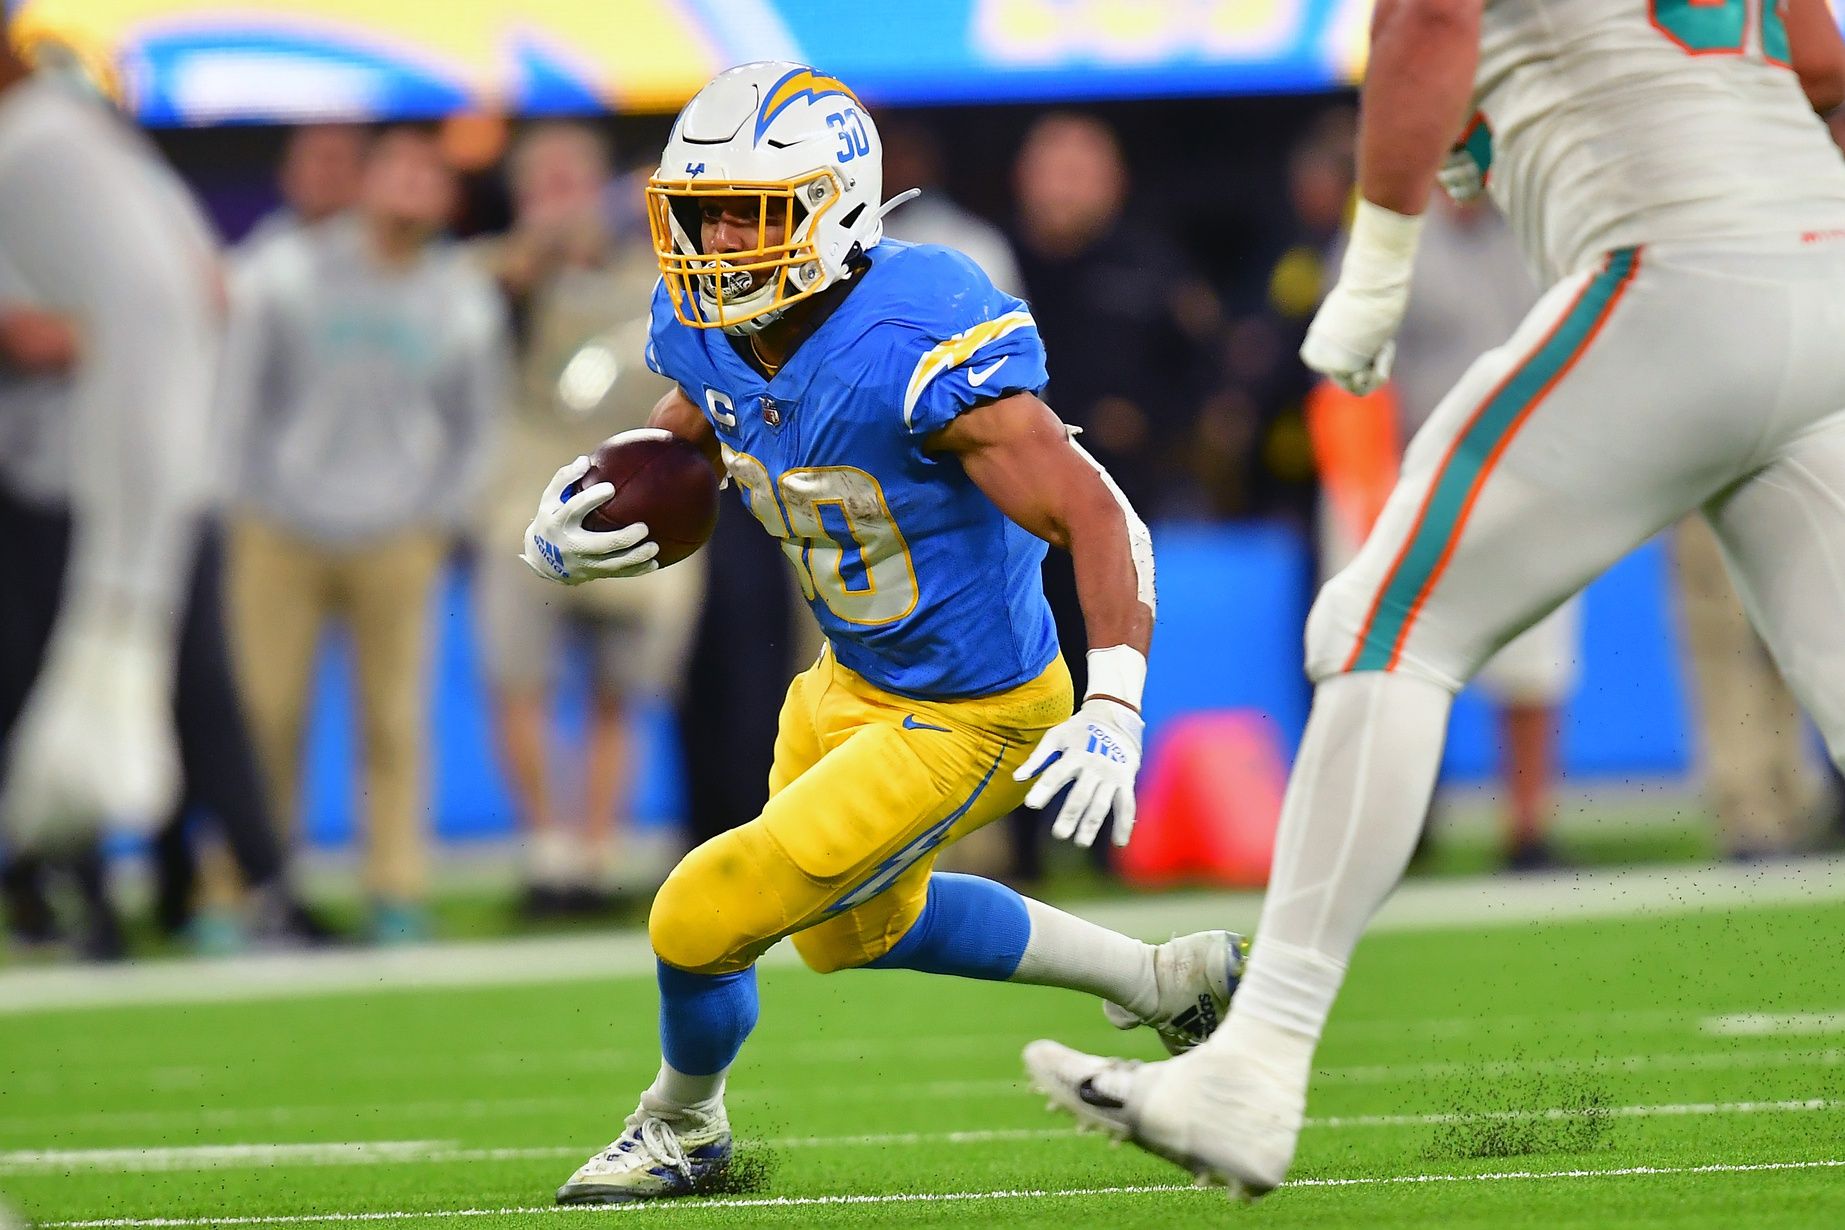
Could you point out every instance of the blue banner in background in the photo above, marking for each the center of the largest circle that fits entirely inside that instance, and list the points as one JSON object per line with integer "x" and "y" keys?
{"x": 196, "y": 62}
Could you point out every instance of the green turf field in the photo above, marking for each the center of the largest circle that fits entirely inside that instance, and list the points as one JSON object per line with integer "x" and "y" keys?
{"x": 1677, "y": 1070}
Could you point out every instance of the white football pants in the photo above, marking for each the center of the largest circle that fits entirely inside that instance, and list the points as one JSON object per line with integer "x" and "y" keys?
{"x": 1668, "y": 379}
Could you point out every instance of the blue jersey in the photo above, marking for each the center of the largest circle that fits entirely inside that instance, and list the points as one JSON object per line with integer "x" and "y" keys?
{"x": 921, "y": 584}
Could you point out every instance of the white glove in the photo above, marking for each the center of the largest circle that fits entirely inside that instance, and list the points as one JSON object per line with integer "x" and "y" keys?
{"x": 1461, "y": 177}
{"x": 1096, "y": 753}
{"x": 95, "y": 746}
{"x": 1352, "y": 337}
{"x": 558, "y": 548}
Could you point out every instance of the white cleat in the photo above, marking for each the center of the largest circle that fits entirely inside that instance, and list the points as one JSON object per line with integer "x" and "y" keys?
{"x": 1196, "y": 976}
{"x": 1220, "y": 1118}
{"x": 654, "y": 1158}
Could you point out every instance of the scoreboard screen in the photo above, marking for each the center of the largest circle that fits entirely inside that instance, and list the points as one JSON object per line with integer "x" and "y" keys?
{"x": 194, "y": 62}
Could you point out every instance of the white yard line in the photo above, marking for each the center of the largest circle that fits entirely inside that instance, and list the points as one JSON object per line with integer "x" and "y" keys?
{"x": 1597, "y": 1024}
{"x": 788, "y": 1202}
{"x": 216, "y": 1157}
{"x": 1694, "y": 1061}
{"x": 470, "y": 1108}
{"x": 279, "y": 1115}
{"x": 1418, "y": 906}
{"x": 1555, "y": 1113}
{"x": 437, "y": 1152}
{"x": 104, "y": 1073}
{"x": 284, "y": 1114}
{"x": 1768, "y": 1024}
{"x": 1622, "y": 1172}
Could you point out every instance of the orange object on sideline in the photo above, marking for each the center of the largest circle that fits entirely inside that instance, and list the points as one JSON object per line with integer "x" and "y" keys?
{"x": 1211, "y": 803}
{"x": 1358, "y": 448}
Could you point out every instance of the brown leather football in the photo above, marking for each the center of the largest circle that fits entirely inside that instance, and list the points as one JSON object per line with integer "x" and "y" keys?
{"x": 660, "y": 480}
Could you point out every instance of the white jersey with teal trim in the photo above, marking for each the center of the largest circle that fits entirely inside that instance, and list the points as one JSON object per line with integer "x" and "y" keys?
{"x": 1615, "y": 123}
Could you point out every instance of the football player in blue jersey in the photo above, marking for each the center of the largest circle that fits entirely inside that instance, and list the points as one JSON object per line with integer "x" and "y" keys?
{"x": 876, "y": 404}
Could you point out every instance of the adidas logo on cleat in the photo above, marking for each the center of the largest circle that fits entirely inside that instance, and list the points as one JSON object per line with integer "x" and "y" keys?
{"x": 1199, "y": 1021}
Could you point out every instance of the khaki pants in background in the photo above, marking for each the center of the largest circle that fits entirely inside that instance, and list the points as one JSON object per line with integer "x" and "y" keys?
{"x": 1751, "y": 736}
{"x": 282, "y": 592}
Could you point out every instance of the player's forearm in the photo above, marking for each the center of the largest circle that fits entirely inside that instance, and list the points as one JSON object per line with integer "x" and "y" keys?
{"x": 1423, "y": 57}
{"x": 1113, "y": 555}
{"x": 36, "y": 342}
{"x": 676, "y": 413}
{"x": 1818, "y": 53}
{"x": 1019, "y": 453}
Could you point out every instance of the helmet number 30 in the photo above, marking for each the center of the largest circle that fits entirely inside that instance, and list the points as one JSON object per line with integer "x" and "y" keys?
{"x": 853, "y": 143}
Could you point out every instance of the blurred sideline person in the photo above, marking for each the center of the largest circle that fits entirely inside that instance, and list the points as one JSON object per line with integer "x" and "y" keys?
{"x": 1691, "y": 212}
{"x": 367, "y": 360}
{"x": 1121, "y": 315}
{"x": 102, "y": 235}
{"x": 1251, "y": 450}
{"x": 320, "y": 177}
{"x": 1751, "y": 738}
{"x": 1111, "y": 305}
{"x": 1469, "y": 290}
{"x": 38, "y": 353}
{"x": 577, "y": 299}
{"x": 913, "y": 159}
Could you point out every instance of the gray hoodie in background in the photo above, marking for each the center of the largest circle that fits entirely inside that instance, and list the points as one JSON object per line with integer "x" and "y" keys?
{"x": 362, "y": 394}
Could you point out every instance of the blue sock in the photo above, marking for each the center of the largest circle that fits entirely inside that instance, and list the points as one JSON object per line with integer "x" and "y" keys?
{"x": 970, "y": 927}
{"x": 704, "y": 1018}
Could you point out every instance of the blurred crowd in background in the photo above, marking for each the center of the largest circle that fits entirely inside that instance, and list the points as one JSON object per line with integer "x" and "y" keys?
{"x": 425, "y": 321}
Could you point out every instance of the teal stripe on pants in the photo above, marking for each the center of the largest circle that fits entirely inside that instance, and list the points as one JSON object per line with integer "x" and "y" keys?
{"x": 1415, "y": 569}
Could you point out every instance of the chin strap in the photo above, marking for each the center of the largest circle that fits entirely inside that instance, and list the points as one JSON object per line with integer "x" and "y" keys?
{"x": 900, "y": 199}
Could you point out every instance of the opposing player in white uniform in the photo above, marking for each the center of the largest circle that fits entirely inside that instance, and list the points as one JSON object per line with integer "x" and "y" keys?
{"x": 1660, "y": 162}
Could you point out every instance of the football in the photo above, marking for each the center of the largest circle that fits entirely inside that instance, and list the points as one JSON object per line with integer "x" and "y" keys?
{"x": 660, "y": 480}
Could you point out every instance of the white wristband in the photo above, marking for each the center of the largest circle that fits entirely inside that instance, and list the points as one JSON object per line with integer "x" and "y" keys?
{"x": 1382, "y": 250}
{"x": 1117, "y": 673}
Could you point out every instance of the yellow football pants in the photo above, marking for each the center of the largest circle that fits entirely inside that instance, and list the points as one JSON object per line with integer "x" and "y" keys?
{"x": 867, "y": 786}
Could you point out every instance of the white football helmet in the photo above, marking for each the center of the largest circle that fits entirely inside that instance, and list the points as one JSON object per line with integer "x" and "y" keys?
{"x": 803, "y": 146}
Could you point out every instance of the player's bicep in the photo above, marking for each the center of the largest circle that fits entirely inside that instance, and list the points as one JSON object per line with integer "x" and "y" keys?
{"x": 1023, "y": 457}
{"x": 1019, "y": 453}
{"x": 678, "y": 414}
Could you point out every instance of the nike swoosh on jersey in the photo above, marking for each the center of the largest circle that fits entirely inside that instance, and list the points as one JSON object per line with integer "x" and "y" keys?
{"x": 980, "y": 377}
{"x": 910, "y": 723}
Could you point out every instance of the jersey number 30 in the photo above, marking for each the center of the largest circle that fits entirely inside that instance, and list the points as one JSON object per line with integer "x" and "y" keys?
{"x": 837, "y": 531}
{"x": 1721, "y": 27}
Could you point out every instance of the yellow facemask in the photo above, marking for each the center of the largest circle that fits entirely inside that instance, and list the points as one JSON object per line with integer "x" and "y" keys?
{"x": 732, "y": 289}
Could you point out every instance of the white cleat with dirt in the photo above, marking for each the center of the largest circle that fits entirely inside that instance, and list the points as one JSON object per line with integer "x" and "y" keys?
{"x": 1220, "y": 1117}
{"x": 656, "y": 1157}
{"x": 1196, "y": 976}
